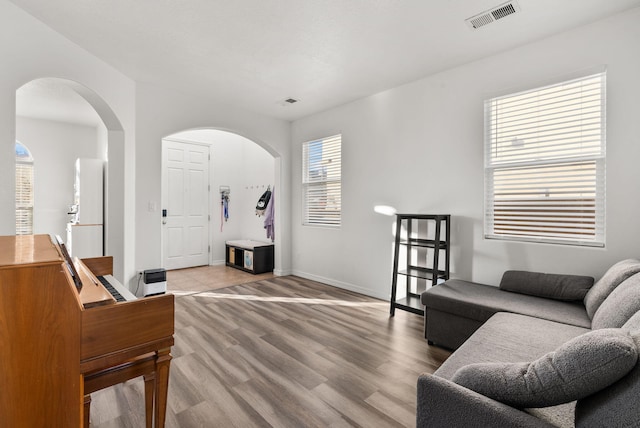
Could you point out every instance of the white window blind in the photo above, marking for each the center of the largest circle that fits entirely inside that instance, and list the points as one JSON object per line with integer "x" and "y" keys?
{"x": 545, "y": 164}
{"x": 24, "y": 190}
{"x": 322, "y": 181}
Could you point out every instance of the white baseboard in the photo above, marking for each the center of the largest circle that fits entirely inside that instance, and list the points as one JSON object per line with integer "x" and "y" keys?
{"x": 340, "y": 284}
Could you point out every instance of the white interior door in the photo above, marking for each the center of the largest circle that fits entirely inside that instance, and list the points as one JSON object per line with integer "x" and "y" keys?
{"x": 185, "y": 197}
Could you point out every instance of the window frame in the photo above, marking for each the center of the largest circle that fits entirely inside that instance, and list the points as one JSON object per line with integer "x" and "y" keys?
{"x": 326, "y": 184}
{"x": 530, "y": 170}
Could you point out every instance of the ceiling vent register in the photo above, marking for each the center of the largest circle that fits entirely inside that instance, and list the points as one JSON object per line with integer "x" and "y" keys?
{"x": 492, "y": 15}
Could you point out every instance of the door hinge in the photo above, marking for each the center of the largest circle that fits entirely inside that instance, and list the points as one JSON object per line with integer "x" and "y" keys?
{"x": 209, "y": 217}
{"x": 209, "y": 249}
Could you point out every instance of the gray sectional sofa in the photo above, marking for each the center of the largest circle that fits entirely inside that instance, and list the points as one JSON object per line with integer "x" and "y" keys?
{"x": 538, "y": 351}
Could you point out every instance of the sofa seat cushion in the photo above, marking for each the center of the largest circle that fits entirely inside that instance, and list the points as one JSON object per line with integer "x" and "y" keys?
{"x": 580, "y": 367}
{"x": 479, "y": 302}
{"x": 511, "y": 338}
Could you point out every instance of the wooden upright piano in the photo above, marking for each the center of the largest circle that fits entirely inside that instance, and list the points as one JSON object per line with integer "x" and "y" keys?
{"x": 64, "y": 336}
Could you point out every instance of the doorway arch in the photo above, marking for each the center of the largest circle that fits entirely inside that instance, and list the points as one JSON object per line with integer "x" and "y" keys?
{"x": 112, "y": 142}
{"x": 246, "y": 167}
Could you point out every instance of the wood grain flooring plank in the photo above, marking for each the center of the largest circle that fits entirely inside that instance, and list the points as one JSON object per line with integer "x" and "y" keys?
{"x": 345, "y": 341}
{"x": 277, "y": 361}
{"x": 281, "y": 409}
{"x": 305, "y": 355}
{"x": 224, "y": 364}
{"x": 222, "y": 402}
{"x": 120, "y": 406}
{"x": 360, "y": 414}
{"x": 391, "y": 406}
{"x": 204, "y": 414}
{"x": 394, "y": 385}
{"x": 282, "y": 391}
{"x": 184, "y": 394}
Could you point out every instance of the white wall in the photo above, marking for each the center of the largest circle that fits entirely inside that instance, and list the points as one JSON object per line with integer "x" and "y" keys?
{"x": 54, "y": 146}
{"x": 31, "y": 50}
{"x": 419, "y": 148}
{"x": 248, "y": 170}
{"x": 162, "y": 112}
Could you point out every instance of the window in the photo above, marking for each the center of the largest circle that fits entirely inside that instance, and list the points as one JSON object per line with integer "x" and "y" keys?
{"x": 321, "y": 181}
{"x": 545, "y": 164}
{"x": 24, "y": 190}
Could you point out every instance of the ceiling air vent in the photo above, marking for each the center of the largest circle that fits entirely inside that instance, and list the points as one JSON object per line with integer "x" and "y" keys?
{"x": 489, "y": 16}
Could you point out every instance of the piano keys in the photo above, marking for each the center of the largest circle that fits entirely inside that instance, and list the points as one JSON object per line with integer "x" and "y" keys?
{"x": 60, "y": 343}
{"x": 117, "y": 290}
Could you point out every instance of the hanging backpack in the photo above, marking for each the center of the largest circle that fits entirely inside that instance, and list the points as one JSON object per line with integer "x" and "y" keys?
{"x": 263, "y": 202}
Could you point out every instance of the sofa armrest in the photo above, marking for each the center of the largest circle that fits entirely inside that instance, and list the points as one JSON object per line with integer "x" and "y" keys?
{"x": 442, "y": 403}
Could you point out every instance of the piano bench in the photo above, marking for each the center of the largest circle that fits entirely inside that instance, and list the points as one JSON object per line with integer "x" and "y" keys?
{"x": 144, "y": 365}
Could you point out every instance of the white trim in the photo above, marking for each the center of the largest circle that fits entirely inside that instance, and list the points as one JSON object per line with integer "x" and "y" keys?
{"x": 181, "y": 140}
{"x": 340, "y": 284}
{"x": 312, "y": 212}
{"x": 282, "y": 272}
{"x": 517, "y": 178}
{"x": 550, "y": 81}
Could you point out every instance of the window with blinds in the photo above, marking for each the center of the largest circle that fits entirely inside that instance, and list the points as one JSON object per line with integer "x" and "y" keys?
{"x": 545, "y": 164}
{"x": 24, "y": 190}
{"x": 322, "y": 181}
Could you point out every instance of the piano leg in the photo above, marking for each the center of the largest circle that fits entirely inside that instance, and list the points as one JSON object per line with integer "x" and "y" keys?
{"x": 162, "y": 385}
{"x": 87, "y": 408}
{"x": 149, "y": 391}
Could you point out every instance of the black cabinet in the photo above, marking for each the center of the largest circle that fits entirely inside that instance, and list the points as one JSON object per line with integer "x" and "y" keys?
{"x": 425, "y": 259}
{"x": 250, "y": 256}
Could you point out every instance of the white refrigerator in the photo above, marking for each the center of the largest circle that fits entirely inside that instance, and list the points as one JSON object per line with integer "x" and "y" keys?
{"x": 85, "y": 233}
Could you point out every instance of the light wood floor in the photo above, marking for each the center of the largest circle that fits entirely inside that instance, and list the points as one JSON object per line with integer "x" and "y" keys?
{"x": 281, "y": 352}
{"x": 205, "y": 278}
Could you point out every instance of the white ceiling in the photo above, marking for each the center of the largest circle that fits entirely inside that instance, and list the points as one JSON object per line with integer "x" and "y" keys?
{"x": 256, "y": 53}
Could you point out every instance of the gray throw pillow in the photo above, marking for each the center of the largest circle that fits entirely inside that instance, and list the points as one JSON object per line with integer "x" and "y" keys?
{"x": 578, "y": 368}
{"x": 614, "y": 406}
{"x": 550, "y": 285}
{"x": 633, "y": 325}
{"x": 609, "y": 281}
{"x": 621, "y": 304}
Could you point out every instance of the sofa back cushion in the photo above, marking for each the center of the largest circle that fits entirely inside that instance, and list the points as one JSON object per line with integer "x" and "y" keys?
{"x": 609, "y": 281}
{"x": 620, "y": 306}
{"x": 549, "y": 285}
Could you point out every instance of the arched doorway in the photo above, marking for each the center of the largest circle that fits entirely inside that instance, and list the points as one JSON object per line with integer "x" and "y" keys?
{"x": 238, "y": 172}
{"x": 64, "y": 120}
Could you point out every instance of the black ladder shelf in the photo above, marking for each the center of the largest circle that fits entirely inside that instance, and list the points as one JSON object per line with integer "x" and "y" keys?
{"x": 431, "y": 269}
